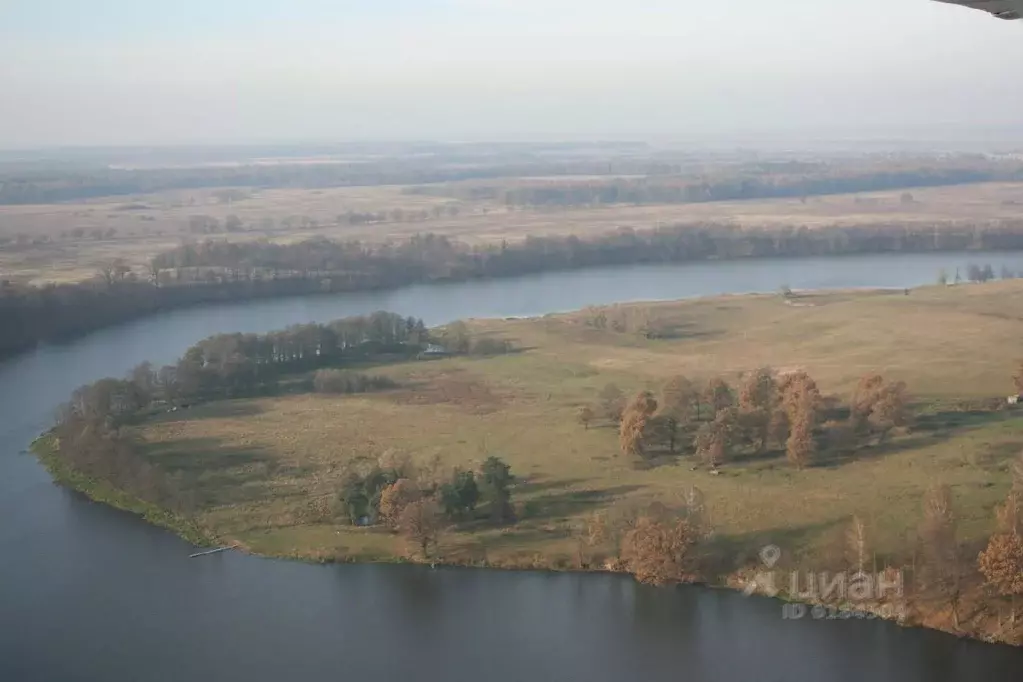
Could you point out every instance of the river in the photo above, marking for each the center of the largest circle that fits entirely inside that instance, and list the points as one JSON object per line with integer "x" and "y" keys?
{"x": 91, "y": 593}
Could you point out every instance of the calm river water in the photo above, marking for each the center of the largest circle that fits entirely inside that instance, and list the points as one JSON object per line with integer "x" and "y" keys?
{"x": 90, "y": 593}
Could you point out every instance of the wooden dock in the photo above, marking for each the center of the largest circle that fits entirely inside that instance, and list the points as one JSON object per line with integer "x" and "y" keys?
{"x": 209, "y": 551}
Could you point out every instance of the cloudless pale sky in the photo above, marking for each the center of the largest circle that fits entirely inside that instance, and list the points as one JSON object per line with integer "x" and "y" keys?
{"x": 101, "y": 72}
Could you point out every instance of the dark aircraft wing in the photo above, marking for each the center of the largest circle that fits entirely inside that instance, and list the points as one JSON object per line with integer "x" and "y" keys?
{"x": 1003, "y": 9}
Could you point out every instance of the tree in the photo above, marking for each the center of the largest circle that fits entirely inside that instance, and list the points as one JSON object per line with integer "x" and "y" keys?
{"x": 420, "y": 524}
{"x": 801, "y": 401}
{"x": 1001, "y": 563}
{"x": 679, "y": 397}
{"x": 679, "y": 401}
{"x": 1009, "y": 516}
{"x": 660, "y": 551}
{"x": 354, "y": 498}
{"x": 800, "y": 446}
{"x": 459, "y": 496}
{"x": 864, "y": 398}
{"x": 635, "y": 420}
{"x": 1017, "y": 473}
{"x": 496, "y": 478}
{"x": 395, "y": 497}
{"x": 889, "y": 410}
{"x": 717, "y": 394}
{"x": 398, "y": 461}
{"x": 758, "y": 390}
{"x": 856, "y": 538}
{"x": 585, "y": 415}
{"x": 778, "y": 428}
{"x": 942, "y": 565}
{"x": 612, "y": 402}
{"x": 878, "y": 405}
{"x": 714, "y": 438}
{"x": 456, "y": 337}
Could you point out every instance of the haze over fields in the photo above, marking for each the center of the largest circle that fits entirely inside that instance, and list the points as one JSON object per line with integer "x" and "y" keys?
{"x": 113, "y": 72}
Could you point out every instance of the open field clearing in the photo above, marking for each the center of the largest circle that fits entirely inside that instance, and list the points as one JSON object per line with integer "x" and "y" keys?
{"x": 266, "y": 472}
{"x": 85, "y": 235}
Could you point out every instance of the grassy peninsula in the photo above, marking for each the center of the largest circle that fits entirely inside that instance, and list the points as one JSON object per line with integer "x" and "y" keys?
{"x": 267, "y": 472}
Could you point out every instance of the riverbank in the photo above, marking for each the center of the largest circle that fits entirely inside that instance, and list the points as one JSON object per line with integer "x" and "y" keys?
{"x": 267, "y": 471}
{"x": 100, "y": 491}
{"x": 980, "y": 624}
{"x": 193, "y": 275}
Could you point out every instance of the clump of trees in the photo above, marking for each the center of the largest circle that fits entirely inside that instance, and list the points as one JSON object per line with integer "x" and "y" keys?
{"x": 91, "y": 440}
{"x": 878, "y": 406}
{"x": 766, "y": 412}
{"x": 1001, "y": 562}
{"x": 419, "y": 506}
{"x": 658, "y": 544}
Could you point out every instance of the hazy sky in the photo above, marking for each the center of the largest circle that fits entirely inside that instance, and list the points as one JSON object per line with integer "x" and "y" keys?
{"x": 180, "y": 71}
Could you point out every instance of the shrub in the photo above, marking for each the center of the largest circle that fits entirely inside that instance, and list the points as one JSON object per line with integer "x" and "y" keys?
{"x": 340, "y": 381}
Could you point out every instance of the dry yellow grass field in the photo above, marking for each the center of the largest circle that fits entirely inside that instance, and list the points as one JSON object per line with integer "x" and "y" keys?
{"x": 263, "y": 468}
{"x": 163, "y": 223}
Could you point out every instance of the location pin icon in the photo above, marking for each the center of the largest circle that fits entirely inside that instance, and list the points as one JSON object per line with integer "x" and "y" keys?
{"x": 770, "y": 555}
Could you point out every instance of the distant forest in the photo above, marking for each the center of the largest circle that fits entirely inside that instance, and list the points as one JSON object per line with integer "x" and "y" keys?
{"x": 215, "y": 271}
{"x": 512, "y": 179}
{"x": 732, "y": 187}
{"x": 47, "y": 186}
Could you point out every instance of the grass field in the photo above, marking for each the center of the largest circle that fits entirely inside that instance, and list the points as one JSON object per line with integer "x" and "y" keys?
{"x": 262, "y": 469}
{"x": 147, "y": 224}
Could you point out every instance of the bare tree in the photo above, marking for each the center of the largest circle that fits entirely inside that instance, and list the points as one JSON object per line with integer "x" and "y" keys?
{"x": 942, "y": 557}
{"x": 612, "y": 402}
{"x": 585, "y": 415}
{"x": 856, "y": 538}
{"x": 420, "y": 524}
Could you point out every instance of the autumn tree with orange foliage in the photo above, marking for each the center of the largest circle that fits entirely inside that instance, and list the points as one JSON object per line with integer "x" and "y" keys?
{"x": 395, "y": 497}
{"x": 1002, "y": 565}
{"x": 1002, "y": 561}
{"x": 635, "y": 420}
{"x": 801, "y": 401}
{"x": 878, "y": 406}
{"x": 660, "y": 551}
{"x": 864, "y": 398}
